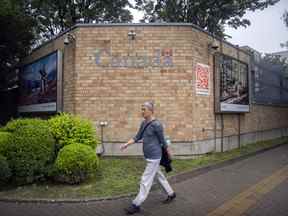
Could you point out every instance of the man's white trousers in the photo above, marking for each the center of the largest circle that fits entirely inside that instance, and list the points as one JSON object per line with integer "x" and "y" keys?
{"x": 152, "y": 170}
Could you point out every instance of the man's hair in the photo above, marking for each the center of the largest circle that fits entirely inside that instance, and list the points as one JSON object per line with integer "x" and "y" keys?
{"x": 149, "y": 105}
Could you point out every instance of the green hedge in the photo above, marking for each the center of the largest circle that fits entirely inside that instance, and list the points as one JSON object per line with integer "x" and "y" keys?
{"x": 30, "y": 146}
{"x": 16, "y": 124}
{"x": 30, "y": 149}
{"x": 75, "y": 163}
{"x": 5, "y": 172}
{"x": 4, "y": 136}
{"x": 68, "y": 129}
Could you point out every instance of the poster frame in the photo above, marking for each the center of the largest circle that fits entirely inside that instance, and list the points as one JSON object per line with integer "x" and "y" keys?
{"x": 222, "y": 107}
{"x": 51, "y": 107}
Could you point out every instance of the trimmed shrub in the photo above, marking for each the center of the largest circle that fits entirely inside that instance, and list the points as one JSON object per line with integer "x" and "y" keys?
{"x": 15, "y": 124}
{"x": 4, "y": 136}
{"x": 30, "y": 150}
{"x": 5, "y": 171}
{"x": 68, "y": 129}
{"x": 75, "y": 163}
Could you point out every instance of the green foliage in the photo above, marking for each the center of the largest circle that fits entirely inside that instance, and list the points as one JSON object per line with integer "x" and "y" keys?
{"x": 5, "y": 171}
{"x": 278, "y": 60}
{"x": 30, "y": 149}
{"x": 285, "y": 19}
{"x": 55, "y": 16}
{"x": 15, "y": 40}
{"x": 4, "y": 142}
{"x": 16, "y": 124}
{"x": 75, "y": 163}
{"x": 68, "y": 129}
{"x": 210, "y": 15}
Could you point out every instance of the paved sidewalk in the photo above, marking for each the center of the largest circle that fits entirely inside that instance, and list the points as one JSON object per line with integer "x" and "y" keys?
{"x": 229, "y": 188}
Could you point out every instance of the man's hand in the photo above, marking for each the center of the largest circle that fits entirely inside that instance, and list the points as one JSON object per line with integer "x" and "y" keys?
{"x": 123, "y": 146}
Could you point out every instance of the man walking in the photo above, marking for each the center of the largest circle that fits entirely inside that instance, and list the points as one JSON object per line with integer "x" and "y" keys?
{"x": 151, "y": 132}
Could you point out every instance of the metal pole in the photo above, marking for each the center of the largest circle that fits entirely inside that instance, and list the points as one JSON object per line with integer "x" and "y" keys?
{"x": 239, "y": 131}
{"x": 222, "y": 132}
{"x": 102, "y": 125}
{"x": 102, "y": 135}
{"x": 215, "y": 132}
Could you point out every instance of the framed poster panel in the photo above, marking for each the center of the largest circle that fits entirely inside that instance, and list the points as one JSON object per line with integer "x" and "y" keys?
{"x": 231, "y": 85}
{"x": 41, "y": 85}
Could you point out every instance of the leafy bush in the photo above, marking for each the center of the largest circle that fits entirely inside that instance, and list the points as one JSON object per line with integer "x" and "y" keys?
{"x": 68, "y": 129}
{"x": 4, "y": 142}
{"x": 15, "y": 124}
{"x": 75, "y": 163}
{"x": 5, "y": 171}
{"x": 30, "y": 149}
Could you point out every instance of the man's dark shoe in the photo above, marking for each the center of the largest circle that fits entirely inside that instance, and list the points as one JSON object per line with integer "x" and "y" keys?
{"x": 170, "y": 198}
{"x": 132, "y": 209}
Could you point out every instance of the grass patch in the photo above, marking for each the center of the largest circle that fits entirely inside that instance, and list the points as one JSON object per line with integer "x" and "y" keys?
{"x": 121, "y": 176}
{"x": 212, "y": 158}
{"x": 114, "y": 177}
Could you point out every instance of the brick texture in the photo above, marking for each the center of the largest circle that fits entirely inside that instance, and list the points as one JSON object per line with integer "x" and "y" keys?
{"x": 159, "y": 65}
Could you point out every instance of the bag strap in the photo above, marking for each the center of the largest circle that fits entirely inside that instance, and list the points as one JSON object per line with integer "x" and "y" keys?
{"x": 142, "y": 132}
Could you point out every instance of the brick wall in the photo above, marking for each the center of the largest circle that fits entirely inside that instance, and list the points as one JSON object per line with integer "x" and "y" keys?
{"x": 114, "y": 90}
{"x": 159, "y": 65}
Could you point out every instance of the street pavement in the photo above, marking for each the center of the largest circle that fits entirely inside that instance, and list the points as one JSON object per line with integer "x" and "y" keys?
{"x": 255, "y": 186}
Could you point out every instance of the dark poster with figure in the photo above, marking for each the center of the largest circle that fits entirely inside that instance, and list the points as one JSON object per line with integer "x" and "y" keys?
{"x": 231, "y": 85}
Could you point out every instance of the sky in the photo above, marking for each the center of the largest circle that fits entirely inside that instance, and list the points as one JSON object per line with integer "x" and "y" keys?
{"x": 266, "y": 32}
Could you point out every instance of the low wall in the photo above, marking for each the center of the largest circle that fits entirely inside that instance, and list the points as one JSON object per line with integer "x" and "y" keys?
{"x": 203, "y": 146}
